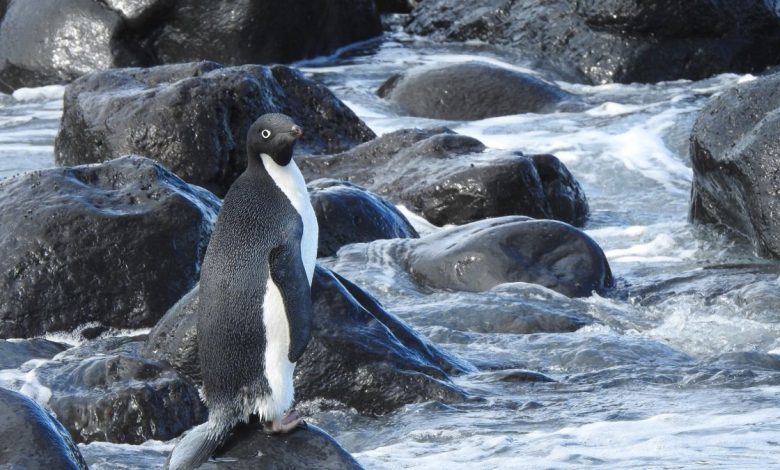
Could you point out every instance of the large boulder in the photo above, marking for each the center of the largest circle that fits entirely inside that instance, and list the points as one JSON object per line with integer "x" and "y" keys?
{"x": 32, "y": 439}
{"x": 249, "y": 448}
{"x": 116, "y": 243}
{"x": 55, "y": 41}
{"x": 471, "y": 90}
{"x": 445, "y": 177}
{"x": 616, "y": 40}
{"x": 359, "y": 354}
{"x": 104, "y": 391}
{"x": 347, "y": 213}
{"x": 735, "y": 152}
{"x": 481, "y": 255}
{"x": 194, "y": 117}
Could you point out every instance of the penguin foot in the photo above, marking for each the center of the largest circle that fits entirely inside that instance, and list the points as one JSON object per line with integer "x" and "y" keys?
{"x": 285, "y": 424}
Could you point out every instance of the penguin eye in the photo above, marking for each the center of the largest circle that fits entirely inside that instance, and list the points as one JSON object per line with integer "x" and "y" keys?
{"x": 265, "y": 133}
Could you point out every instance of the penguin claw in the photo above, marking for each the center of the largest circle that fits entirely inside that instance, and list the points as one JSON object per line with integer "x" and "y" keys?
{"x": 285, "y": 424}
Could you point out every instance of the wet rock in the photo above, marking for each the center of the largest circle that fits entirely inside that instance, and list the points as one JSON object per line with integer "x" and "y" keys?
{"x": 359, "y": 354}
{"x": 194, "y": 117}
{"x": 471, "y": 90}
{"x": 447, "y": 178}
{"x": 478, "y": 256}
{"x": 736, "y": 156}
{"x": 117, "y": 244}
{"x": 347, "y": 213}
{"x": 32, "y": 439}
{"x": 104, "y": 391}
{"x": 512, "y": 375}
{"x": 14, "y": 353}
{"x": 55, "y": 41}
{"x": 395, "y": 6}
{"x": 249, "y": 448}
{"x": 615, "y": 40}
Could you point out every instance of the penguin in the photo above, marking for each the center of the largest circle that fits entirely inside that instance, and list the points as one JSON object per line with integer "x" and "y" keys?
{"x": 254, "y": 313}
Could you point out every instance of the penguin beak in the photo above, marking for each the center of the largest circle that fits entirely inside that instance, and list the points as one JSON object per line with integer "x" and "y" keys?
{"x": 297, "y": 132}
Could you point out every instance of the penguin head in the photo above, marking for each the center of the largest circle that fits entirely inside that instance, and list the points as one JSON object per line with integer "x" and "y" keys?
{"x": 274, "y": 135}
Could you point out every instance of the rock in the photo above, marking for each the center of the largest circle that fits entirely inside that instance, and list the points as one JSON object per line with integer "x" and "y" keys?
{"x": 470, "y": 91}
{"x": 117, "y": 243}
{"x": 194, "y": 117}
{"x": 14, "y": 353}
{"x": 395, "y": 6}
{"x": 104, "y": 391}
{"x": 735, "y": 155}
{"x": 54, "y": 41}
{"x": 32, "y": 439}
{"x": 359, "y": 354}
{"x": 615, "y": 40}
{"x": 249, "y": 448}
{"x": 347, "y": 213}
{"x": 428, "y": 171}
{"x": 484, "y": 254}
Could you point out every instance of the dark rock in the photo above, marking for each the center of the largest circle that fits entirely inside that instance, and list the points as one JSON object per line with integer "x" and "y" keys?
{"x": 471, "y": 90}
{"x": 55, "y": 41}
{"x": 512, "y": 375}
{"x": 735, "y": 154}
{"x": 194, "y": 117}
{"x": 347, "y": 213}
{"x": 117, "y": 243}
{"x": 104, "y": 391}
{"x": 443, "y": 176}
{"x": 395, "y": 6}
{"x": 359, "y": 354}
{"x": 32, "y": 439}
{"x": 16, "y": 352}
{"x": 481, "y": 255}
{"x": 249, "y": 448}
{"x": 615, "y": 40}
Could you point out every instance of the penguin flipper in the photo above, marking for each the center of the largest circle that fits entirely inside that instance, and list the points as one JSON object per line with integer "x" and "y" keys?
{"x": 290, "y": 277}
{"x": 195, "y": 448}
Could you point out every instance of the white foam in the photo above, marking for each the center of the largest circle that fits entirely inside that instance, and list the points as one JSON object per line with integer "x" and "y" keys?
{"x": 49, "y": 92}
{"x": 419, "y": 223}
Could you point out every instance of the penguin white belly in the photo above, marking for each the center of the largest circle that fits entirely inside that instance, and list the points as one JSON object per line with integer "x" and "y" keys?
{"x": 278, "y": 368}
{"x": 290, "y": 180}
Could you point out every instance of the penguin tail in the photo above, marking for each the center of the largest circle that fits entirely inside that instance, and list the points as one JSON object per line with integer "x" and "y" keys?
{"x": 195, "y": 448}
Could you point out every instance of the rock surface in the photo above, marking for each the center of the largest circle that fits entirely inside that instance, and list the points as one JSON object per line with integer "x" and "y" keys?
{"x": 249, "y": 448}
{"x": 615, "y": 40}
{"x": 481, "y": 255}
{"x": 104, "y": 391}
{"x": 471, "y": 90}
{"x": 32, "y": 439}
{"x": 55, "y": 41}
{"x": 735, "y": 153}
{"x": 194, "y": 117}
{"x": 117, "y": 243}
{"x": 445, "y": 177}
{"x": 359, "y": 354}
{"x": 15, "y": 353}
{"x": 347, "y": 213}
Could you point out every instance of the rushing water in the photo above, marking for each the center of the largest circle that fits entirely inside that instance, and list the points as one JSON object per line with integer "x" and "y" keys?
{"x": 679, "y": 369}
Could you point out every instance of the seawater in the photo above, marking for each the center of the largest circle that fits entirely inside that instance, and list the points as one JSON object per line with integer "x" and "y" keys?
{"x": 676, "y": 370}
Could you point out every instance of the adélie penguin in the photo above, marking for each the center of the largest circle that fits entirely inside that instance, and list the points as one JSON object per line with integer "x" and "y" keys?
{"x": 254, "y": 312}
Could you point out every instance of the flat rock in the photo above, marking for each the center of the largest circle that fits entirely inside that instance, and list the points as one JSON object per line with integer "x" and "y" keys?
{"x": 470, "y": 91}
{"x": 481, "y": 255}
{"x": 116, "y": 243}
{"x": 735, "y": 154}
{"x": 615, "y": 40}
{"x": 359, "y": 354}
{"x": 347, "y": 213}
{"x": 450, "y": 178}
{"x": 14, "y": 353}
{"x": 104, "y": 391}
{"x": 194, "y": 117}
{"x": 55, "y": 41}
{"x": 32, "y": 439}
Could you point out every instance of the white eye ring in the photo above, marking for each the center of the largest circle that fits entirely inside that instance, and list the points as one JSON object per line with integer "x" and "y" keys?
{"x": 265, "y": 133}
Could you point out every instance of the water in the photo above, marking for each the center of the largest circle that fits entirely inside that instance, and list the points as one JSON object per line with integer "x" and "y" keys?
{"x": 677, "y": 370}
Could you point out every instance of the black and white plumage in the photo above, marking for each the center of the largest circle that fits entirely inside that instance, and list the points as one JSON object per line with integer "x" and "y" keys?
{"x": 254, "y": 314}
